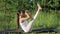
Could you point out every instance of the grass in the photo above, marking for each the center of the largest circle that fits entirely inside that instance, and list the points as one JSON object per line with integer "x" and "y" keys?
{"x": 44, "y": 20}
{"x": 8, "y": 20}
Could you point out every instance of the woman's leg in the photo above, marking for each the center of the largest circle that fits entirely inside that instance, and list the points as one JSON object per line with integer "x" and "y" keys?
{"x": 29, "y": 26}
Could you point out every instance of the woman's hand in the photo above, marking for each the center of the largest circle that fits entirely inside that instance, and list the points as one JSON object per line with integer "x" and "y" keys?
{"x": 28, "y": 13}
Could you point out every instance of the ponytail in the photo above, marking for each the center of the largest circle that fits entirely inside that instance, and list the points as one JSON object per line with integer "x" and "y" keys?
{"x": 18, "y": 20}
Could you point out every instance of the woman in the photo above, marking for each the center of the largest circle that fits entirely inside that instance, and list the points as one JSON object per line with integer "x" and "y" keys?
{"x": 23, "y": 20}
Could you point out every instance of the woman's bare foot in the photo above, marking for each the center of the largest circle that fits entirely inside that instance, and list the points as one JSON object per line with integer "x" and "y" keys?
{"x": 39, "y": 7}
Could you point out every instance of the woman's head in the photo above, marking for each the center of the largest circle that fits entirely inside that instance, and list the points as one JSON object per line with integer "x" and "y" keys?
{"x": 21, "y": 12}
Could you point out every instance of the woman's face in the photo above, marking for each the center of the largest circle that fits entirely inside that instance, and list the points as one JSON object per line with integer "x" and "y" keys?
{"x": 21, "y": 14}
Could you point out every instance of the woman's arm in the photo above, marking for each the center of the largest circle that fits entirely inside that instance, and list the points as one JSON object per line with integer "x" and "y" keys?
{"x": 28, "y": 15}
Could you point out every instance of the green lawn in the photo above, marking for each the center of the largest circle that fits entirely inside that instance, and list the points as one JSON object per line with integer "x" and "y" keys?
{"x": 44, "y": 20}
{"x": 48, "y": 18}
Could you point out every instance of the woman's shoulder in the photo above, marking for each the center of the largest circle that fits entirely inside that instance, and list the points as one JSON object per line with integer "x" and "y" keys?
{"x": 22, "y": 21}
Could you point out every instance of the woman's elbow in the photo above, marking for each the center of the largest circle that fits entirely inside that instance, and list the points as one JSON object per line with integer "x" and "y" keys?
{"x": 29, "y": 17}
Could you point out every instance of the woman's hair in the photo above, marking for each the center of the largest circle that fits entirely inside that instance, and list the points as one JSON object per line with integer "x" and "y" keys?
{"x": 19, "y": 11}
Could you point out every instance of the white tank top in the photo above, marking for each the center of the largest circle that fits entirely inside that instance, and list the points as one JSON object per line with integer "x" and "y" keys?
{"x": 24, "y": 25}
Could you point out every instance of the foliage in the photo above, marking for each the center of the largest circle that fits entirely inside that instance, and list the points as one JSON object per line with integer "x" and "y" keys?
{"x": 48, "y": 18}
